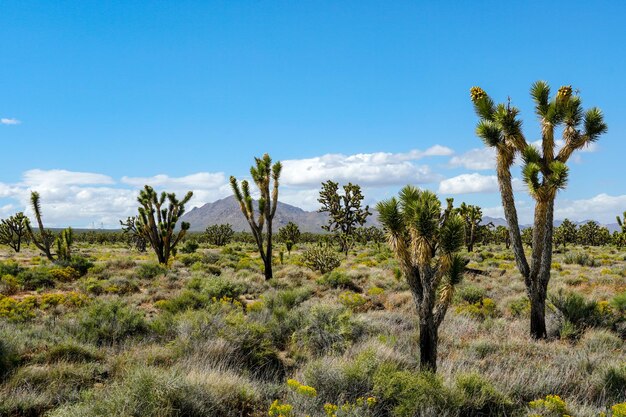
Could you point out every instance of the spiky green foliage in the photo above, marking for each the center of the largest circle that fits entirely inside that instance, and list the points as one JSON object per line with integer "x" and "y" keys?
{"x": 544, "y": 171}
{"x": 566, "y": 233}
{"x": 158, "y": 216}
{"x": 289, "y": 234}
{"x": 265, "y": 175}
{"x": 64, "y": 244}
{"x": 14, "y": 231}
{"x": 132, "y": 237}
{"x": 592, "y": 234}
{"x": 472, "y": 217}
{"x": 45, "y": 238}
{"x": 426, "y": 243}
{"x": 345, "y": 213}
{"x": 219, "y": 234}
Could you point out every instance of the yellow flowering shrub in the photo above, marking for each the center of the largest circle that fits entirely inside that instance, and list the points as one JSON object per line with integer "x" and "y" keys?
{"x": 551, "y": 406}
{"x": 302, "y": 389}
{"x": 618, "y": 410}
{"x": 278, "y": 409}
{"x": 352, "y": 300}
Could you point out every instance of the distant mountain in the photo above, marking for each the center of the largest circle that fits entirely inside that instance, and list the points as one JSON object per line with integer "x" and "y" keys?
{"x": 227, "y": 210}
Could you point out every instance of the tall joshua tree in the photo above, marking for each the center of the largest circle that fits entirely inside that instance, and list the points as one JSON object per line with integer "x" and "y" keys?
{"x": 290, "y": 235}
{"x": 426, "y": 243}
{"x": 45, "y": 239}
{"x": 263, "y": 174}
{"x": 156, "y": 223}
{"x": 544, "y": 172}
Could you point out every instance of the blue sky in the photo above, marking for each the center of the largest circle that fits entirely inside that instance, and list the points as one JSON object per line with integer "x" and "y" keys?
{"x": 97, "y": 98}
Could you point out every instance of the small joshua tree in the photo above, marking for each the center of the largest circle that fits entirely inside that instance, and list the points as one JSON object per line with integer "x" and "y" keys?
{"x": 290, "y": 235}
{"x": 426, "y": 242}
{"x": 345, "y": 213}
{"x": 45, "y": 239}
{"x": 219, "y": 234}
{"x": 263, "y": 174}
{"x": 14, "y": 231}
{"x": 64, "y": 244}
{"x": 156, "y": 222}
{"x": 567, "y": 232}
{"x": 133, "y": 238}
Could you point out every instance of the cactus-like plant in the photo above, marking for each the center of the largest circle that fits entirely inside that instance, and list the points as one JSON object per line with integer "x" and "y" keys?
{"x": 472, "y": 216}
{"x": 45, "y": 239}
{"x": 263, "y": 174}
{"x": 426, "y": 241}
{"x": 219, "y": 234}
{"x": 14, "y": 231}
{"x": 544, "y": 172}
{"x": 157, "y": 221}
{"x": 289, "y": 234}
{"x": 133, "y": 238}
{"x": 64, "y": 244}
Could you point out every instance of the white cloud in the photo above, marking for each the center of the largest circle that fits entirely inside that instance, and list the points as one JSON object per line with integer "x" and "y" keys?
{"x": 366, "y": 169}
{"x": 9, "y": 121}
{"x": 200, "y": 180}
{"x": 603, "y": 208}
{"x": 61, "y": 177}
{"x": 469, "y": 183}
{"x": 475, "y": 159}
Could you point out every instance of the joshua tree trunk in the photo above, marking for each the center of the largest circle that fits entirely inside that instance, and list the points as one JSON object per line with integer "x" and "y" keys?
{"x": 267, "y": 262}
{"x": 428, "y": 343}
{"x": 538, "y": 314}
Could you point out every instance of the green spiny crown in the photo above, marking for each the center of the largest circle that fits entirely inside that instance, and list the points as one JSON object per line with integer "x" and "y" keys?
{"x": 565, "y": 92}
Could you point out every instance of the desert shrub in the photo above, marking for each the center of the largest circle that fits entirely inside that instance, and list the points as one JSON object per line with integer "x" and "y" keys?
{"x": 519, "y": 307}
{"x": 152, "y": 392}
{"x": 619, "y": 303}
{"x": 336, "y": 279}
{"x": 33, "y": 389}
{"x": 69, "y": 299}
{"x": 18, "y": 310}
{"x": 9, "y": 285}
{"x": 190, "y": 258}
{"x": 575, "y": 309}
{"x": 79, "y": 263}
{"x": 110, "y": 322}
{"x": 609, "y": 383}
{"x": 150, "y": 270}
{"x": 601, "y": 341}
{"x": 551, "y": 406}
{"x": 481, "y": 310}
{"x": 321, "y": 258}
{"x": 124, "y": 263}
{"x": 471, "y": 294}
{"x": 10, "y": 268}
{"x": 190, "y": 246}
{"x": 580, "y": 258}
{"x": 64, "y": 274}
{"x": 34, "y": 278}
{"x": 185, "y": 300}
{"x": 70, "y": 351}
{"x": 327, "y": 329}
{"x": 121, "y": 285}
{"x": 352, "y": 300}
{"x": 217, "y": 287}
{"x": 411, "y": 393}
{"x": 480, "y": 398}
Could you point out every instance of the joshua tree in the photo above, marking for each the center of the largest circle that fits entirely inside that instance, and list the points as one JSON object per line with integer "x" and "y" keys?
{"x": 290, "y": 235}
{"x": 472, "y": 216}
{"x": 622, "y": 223}
{"x": 64, "y": 244}
{"x": 133, "y": 238}
{"x": 426, "y": 243}
{"x": 219, "y": 234}
{"x": 544, "y": 172}
{"x": 371, "y": 234}
{"x": 263, "y": 173}
{"x": 567, "y": 231}
{"x": 14, "y": 231}
{"x": 344, "y": 211}
{"x": 156, "y": 221}
{"x": 502, "y": 235}
{"x": 45, "y": 239}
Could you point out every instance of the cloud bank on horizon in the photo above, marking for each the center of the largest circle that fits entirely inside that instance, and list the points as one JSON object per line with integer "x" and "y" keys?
{"x": 86, "y": 199}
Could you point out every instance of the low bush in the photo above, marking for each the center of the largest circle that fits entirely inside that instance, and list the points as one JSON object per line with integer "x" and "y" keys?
{"x": 150, "y": 270}
{"x": 35, "y": 278}
{"x": 580, "y": 258}
{"x": 321, "y": 258}
{"x": 110, "y": 322}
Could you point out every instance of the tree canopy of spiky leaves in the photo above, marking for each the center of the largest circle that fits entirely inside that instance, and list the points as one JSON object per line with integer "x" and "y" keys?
{"x": 133, "y": 238}
{"x": 345, "y": 213}
{"x": 591, "y": 233}
{"x": 219, "y": 234}
{"x": 567, "y": 232}
{"x": 158, "y": 216}
{"x": 289, "y": 234}
{"x": 45, "y": 238}
{"x": 64, "y": 244}
{"x": 544, "y": 171}
{"x": 371, "y": 234}
{"x": 621, "y": 221}
{"x": 426, "y": 242}
{"x": 14, "y": 231}
{"x": 266, "y": 177}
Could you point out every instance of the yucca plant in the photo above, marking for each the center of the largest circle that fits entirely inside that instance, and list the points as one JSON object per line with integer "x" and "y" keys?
{"x": 156, "y": 222}
{"x": 544, "y": 172}
{"x": 14, "y": 231}
{"x": 426, "y": 242}
{"x": 263, "y": 173}
{"x": 472, "y": 216}
{"x": 45, "y": 239}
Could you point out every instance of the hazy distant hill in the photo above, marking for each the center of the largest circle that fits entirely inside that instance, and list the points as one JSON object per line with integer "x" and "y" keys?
{"x": 227, "y": 211}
